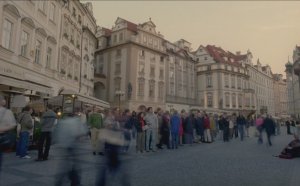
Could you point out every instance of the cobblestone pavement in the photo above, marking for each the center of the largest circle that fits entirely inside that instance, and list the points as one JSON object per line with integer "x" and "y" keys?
{"x": 218, "y": 164}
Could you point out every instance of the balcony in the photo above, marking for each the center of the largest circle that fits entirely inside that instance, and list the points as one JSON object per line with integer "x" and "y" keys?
{"x": 180, "y": 100}
{"x": 249, "y": 90}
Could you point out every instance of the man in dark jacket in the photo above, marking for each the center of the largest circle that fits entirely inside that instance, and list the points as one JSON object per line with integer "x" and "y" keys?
{"x": 241, "y": 122}
{"x": 48, "y": 120}
{"x": 288, "y": 127}
{"x": 225, "y": 124}
{"x": 200, "y": 126}
{"x": 269, "y": 126}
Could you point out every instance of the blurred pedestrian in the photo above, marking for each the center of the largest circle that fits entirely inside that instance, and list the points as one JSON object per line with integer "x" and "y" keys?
{"x": 7, "y": 122}
{"x": 241, "y": 122}
{"x": 67, "y": 134}
{"x": 152, "y": 123}
{"x": 140, "y": 138}
{"x": 269, "y": 127}
{"x": 48, "y": 120}
{"x": 175, "y": 124}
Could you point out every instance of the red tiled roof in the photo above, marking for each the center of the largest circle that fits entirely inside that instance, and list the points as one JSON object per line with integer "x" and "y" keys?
{"x": 219, "y": 55}
{"x": 107, "y": 31}
{"x": 131, "y": 26}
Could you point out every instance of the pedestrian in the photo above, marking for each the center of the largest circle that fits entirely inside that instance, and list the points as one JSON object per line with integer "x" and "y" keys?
{"x": 7, "y": 122}
{"x": 152, "y": 123}
{"x": 114, "y": 141}
{"x": 188, "y": 128}
{"x": 241, "y": 122}
{"x": 288, "y": 127}
{"x": 140, "y": 138}
{"x": 221, "y": 128}
{"x": 200, "y": 126}
{"x": 207, "y": 135}
{"x": 235, "y": 127}
{"x": 269, "y": 127}
{"x": 212, "y": 126}
{"x": 225, "y": 124}
{"x": 181, "y": 129}
{"x": 231, "y": 126}
{"x": 95, "y": 123}
{"x": 26, "y": 123}
{"x": 175, "y": 124}
{"x": 165, "y": 131}
{"x": 67, "y": 135}
{"x": 259, "y": 126}
{"x": 128, "y": 129}
{"x": 48, "y": 120}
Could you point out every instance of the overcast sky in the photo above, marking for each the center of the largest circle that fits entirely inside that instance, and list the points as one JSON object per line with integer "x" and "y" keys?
{"x": 270, "y": 30}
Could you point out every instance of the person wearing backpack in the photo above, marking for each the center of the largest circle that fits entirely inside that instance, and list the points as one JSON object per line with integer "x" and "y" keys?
{"x": 26, "y": 122}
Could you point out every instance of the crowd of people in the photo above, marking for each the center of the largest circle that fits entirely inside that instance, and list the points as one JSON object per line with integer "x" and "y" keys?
{"x": 112, "y": 131}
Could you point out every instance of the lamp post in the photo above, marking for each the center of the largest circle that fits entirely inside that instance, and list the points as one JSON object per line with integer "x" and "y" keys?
{"x": 119, "y": 93}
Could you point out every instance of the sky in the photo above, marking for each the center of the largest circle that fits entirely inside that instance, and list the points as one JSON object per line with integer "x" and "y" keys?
{"x": 269, "y": 29}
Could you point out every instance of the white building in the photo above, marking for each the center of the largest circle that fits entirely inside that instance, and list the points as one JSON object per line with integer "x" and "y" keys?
{"x": 180, "y": 76}
{"x": 41, "y": 47}
{"x": 280, "y": 95}
{"x": 131, "y": 59}
{"x": 223, "y": 81}
{"x": 293, "y": 84}
{"x": 261, "y": 80}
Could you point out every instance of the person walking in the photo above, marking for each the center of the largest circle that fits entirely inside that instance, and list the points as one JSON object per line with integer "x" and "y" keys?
{"x": 95, "y": 123}
{"x": 200, "y": 126}
{"x": 288, "y": 127}
{"x": 175, "y": 124}
{"x": 165, "y": 131}
{"x": 231, "y": 126}
{"x": 259, "y": 126}
{"x": 7, "y": 122}
{"x": 48, "y": 120}
{"x": 188, "y": 129}
{"x": 241, "y": 122}
{"x": 26, "y": 122}
{"x": 269, "y": 127}
{"x": 225, "y": 123}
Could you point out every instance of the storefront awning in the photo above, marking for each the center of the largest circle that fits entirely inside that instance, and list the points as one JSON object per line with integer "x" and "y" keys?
{"x": 25, "y": 84}
{"x": 87, "y": 99}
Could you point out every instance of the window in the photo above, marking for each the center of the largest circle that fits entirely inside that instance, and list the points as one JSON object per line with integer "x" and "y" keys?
{"x": 24, "y": 43}
{"x": 63, "y": 63}
{"x": 117, "y": 84}
{"x": 227, "y": 99}
{"x": 49, "y": 58}
{"x": 161, "y": 90}
{"x": 7, "y": 34}
{"x": 161, "y": 58}
{"x": 118, "y": 53}
{"x": 233, "y": 99}
{"x": 151, "y": 89}
{"x": 145, "y": 39}
{"x": 74, "y": 12}
{"x": 76, "y": 71}
{"x": 142, "y": 53}
{"x": 240, "y": 100}
{"x": 142, "y": 67}
{"x": 161, "y": 73}
{"x": 52, "y": 12}
{"x": 233, "y": 81}
{"x": 41, "y": 5}
{"x": 118, "y": 68}
{"x": 115, "y": 38}
{"x": 141, "y": 87}
{"x": 66, "y": 28}
{"x": 152, "y": 71}
{"x": 226, "y": 80}
{"x": 38, "y": 48}
{"x": 79, "y": 19}
{"x": 121, "y": 37}
{"x": 70, "y": 68}
{"x": 209, "y": 99}
{"x": 72, "y": 36}
{"x": 239, "y": 83}
{"x": 208, "y": 80}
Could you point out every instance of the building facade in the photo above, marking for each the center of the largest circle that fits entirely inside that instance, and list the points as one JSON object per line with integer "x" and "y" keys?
{"x": 280, "y": 95}
{"x": 293, "y": 84}
{"x": 46, "y": 47}
{"x": 223, "y": 81}
{"x": 132, "y": 57}
{"x": 261, "y": 80}
{"x": 180, "y": 76}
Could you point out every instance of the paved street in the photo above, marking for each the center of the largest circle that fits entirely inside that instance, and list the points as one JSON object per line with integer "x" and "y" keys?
{"x": 234, "y": 164}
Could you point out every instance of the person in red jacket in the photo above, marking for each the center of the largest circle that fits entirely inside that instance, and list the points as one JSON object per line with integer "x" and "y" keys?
{"x": 207, "y": 135}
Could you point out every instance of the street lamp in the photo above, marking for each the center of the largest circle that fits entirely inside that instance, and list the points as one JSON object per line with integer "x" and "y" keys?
{"x": 119, "y": 93}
